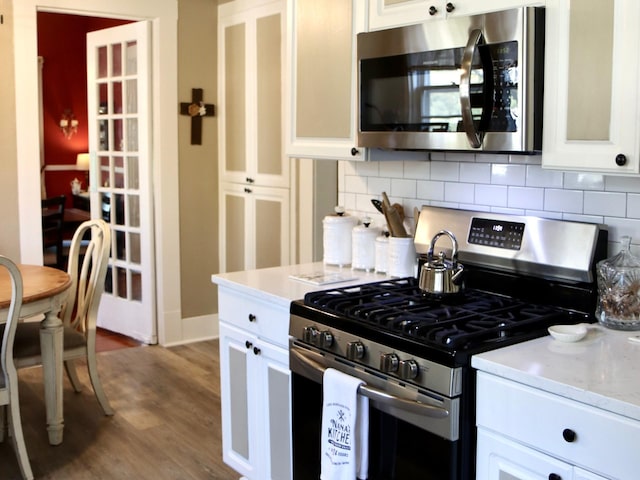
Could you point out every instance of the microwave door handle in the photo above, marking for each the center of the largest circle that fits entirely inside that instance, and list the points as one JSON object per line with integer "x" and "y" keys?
{"x": 473, "y": 135}
{"x": 315, "y": 370}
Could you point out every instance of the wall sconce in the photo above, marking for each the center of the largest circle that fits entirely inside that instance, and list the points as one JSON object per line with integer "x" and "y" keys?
{"x": 68, "y": 124}
{"x": 83, "y": 163}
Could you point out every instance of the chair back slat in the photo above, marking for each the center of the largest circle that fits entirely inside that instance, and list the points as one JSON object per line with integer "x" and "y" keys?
{"x": 87, "y": 269}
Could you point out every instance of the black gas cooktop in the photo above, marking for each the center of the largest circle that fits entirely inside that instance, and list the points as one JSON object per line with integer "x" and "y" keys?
{"x": 454, "y": 325}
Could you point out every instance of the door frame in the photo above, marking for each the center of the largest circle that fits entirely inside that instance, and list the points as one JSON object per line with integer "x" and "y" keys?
{"x": 163, "y": 15}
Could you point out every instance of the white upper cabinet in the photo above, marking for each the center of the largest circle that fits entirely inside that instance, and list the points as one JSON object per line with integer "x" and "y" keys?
{"x": 321, "y": 99}
{"x": 591, "y": 112}
{"x": 395, "y": 13}
{"x": 250, "y": 88}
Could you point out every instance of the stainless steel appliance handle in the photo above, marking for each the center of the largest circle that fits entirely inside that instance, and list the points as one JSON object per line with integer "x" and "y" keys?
{"x": 473, "y": 135}
{"x": 315, "y": 372}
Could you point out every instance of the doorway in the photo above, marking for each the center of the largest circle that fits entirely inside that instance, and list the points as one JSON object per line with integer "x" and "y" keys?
{"x": 163, "y": 16}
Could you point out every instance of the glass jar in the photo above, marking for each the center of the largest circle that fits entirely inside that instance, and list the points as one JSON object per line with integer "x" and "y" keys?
{"x": 619, "y": 289}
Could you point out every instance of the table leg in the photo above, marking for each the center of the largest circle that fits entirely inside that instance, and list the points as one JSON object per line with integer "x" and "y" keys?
{"x": 52, "y": 364}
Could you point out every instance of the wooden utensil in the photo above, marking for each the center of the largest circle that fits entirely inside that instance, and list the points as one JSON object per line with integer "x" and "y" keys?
{"x": 394, "y": 221}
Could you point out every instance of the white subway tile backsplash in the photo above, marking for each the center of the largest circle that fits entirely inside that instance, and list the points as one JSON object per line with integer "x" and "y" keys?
{"x": 417, "y": 170}
{"x": 570, "y": 201}
{"x": 622, "y": 184}
{"x": 525, "y": 197}
{"x": 539, "y": 177}
{"x": 492, "y": 195}
{"x": 433, "y": 191}
{"x": 514, "y": 185}
{"x": 355, "y": 184}
{"x": 391, "y": 169}
{"x": 583, "y": 181}
{"x": 619, "y": 227}
{"x": 475, "y": 172}
{"x": 508, "y": 211}
{"x": 544, "y": 214}
{"x": 611, "y": 204}
{"x": 633, "y": 205}
{"x": 445, "y": 171}
{"x": 377, "y": 185}
{"x": 458, "y": 192}
{"x": 508, "y": 174}
{"x": 572, "y": 217}
{"x": 403, "y": 188}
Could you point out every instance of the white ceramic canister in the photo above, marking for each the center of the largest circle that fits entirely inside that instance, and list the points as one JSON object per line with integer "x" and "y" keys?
{"x": 336, "y": 238}
{"x": 382, "y": 253}
{"x": 401, "y": 257}
{"x": 363, "y": 246}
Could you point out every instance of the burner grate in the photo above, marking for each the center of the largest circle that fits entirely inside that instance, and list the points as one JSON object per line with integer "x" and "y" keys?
{"x": 452, "y": 322}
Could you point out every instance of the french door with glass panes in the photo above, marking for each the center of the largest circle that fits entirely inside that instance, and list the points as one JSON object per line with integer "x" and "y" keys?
{"x": 119, "y": 103}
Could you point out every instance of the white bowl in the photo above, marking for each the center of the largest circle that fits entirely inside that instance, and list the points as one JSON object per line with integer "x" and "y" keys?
{"x": 568, "y": 333}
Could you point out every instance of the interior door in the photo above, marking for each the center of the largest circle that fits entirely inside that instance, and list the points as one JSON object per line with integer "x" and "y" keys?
{"x": 118, "y": 94}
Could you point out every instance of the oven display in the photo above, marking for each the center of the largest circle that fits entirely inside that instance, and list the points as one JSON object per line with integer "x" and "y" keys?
{"x": 494, "y": 233}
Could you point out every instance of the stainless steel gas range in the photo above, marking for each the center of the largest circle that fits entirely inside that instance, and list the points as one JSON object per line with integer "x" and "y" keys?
{"x": 412, "y": 346}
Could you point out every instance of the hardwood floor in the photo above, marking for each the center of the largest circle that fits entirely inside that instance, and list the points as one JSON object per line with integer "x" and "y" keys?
{"x": 166, "y": 425}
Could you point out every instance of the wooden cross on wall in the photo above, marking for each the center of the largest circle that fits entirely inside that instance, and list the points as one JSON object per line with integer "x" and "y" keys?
{"x": 196, "y": 110}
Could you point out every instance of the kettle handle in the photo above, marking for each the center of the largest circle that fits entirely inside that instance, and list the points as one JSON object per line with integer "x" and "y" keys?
{"x": 454, "y": 241}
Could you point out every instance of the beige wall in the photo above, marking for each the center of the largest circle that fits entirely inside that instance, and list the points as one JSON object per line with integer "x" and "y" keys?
{"x": 197, "y": 60}
{"x": 9, "y": 233}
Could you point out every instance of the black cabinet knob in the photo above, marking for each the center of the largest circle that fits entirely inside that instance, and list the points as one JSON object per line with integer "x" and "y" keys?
{"x": 355, "y": 152}
{"x": 247, "y": 190}
{"x": 450, "y": 7}
{"x": 256, "y": 351}
{"x": 621, "y": 159}
{"x": 248, "y": 344}
{"x": 252, "y": 317}
{"x": 569, "y": 435}
{"x": 249, "y": 180}
{"x": 554, "y": 476}
{"x": 432, "y": 10}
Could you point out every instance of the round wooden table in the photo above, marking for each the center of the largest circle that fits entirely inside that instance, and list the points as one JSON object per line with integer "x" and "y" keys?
{"x": 45, "y": 289}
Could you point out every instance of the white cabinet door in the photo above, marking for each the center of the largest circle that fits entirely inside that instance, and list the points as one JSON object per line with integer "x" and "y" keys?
{"x": 396, "y": 13}
{"x": 255, "y": 405}
{"x": 237, "y": 390}
{"x": 321, "y": 74}
{"x": 250, "y": 90}
{"x": 591, "y": 86}
{"x": 254, "y": 227}
{"x": 502, "y": 459}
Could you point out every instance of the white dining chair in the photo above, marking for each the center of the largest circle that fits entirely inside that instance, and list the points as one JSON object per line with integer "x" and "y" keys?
{"x": 9, "y": 399}
{"x": 87, "y": 268}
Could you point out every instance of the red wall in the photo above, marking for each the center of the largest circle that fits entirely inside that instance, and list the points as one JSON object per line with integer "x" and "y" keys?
{"x": 62, "y": 43}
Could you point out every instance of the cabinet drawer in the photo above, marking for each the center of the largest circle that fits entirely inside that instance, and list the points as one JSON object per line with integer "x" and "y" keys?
{"x": 603, "y": 442}
{"x": 255, "y": 315}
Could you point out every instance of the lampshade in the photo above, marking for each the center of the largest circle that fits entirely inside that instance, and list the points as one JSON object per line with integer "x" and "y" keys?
{"x": 83, "y": 161}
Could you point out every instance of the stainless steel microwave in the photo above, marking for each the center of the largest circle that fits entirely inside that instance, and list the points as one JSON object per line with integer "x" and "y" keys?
{"x": 463, "y": 84}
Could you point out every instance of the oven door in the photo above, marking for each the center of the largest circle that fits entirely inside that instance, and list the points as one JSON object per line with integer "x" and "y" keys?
{"x": 413, "y": 434}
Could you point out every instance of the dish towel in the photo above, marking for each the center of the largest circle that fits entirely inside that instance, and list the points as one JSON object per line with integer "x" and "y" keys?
{"x": 345, "y": 428}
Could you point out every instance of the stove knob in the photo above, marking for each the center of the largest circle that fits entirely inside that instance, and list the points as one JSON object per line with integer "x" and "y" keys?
{"x": 309, "y": 334}
{"x": 389, "y": 362}
{"x": 355, "y": 350}
{"x": 325, "y": 339}
{"x": 408, "y": 369}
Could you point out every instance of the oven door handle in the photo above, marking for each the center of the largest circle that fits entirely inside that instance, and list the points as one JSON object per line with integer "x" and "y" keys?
{"x": 316, "y": 372}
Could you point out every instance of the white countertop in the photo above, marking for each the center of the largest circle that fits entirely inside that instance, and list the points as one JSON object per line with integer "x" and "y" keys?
{"x": 275, "y": 285}
{"x": 601, "y": 370}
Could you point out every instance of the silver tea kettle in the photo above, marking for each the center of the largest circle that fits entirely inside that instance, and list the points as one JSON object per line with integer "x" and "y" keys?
{"x": 438, "y": 275}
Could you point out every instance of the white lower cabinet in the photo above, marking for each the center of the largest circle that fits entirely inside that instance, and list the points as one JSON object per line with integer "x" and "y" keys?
{"x": 255, "y": 389}
{"x": 526, "y": 434}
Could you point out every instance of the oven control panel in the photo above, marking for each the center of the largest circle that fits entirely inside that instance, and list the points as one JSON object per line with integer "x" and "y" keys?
{"x": 495, "y": 233}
